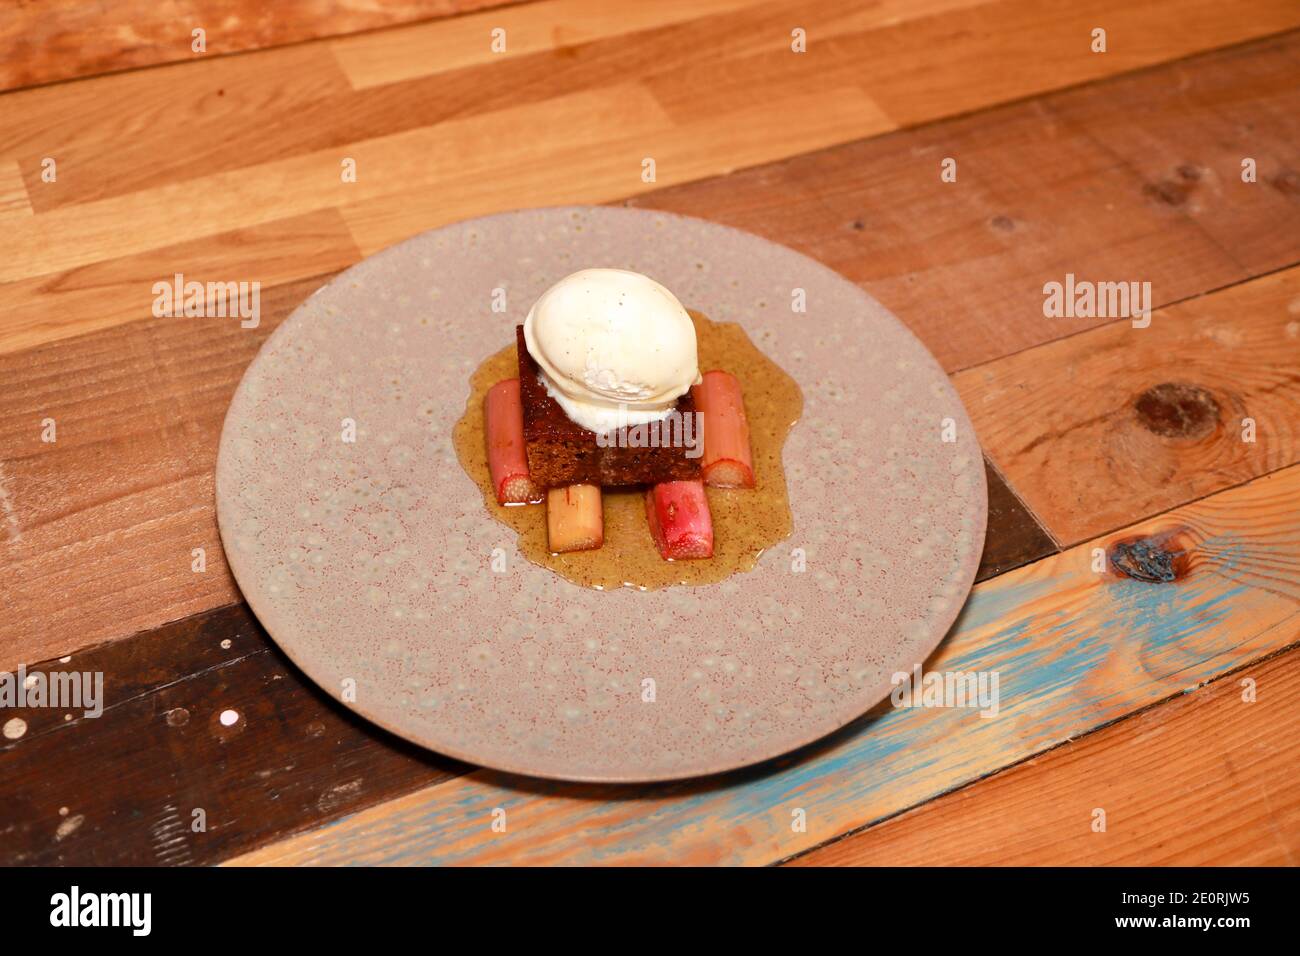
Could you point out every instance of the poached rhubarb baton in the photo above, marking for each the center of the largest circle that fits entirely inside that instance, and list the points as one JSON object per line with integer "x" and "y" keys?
{"x": 507, "y": 456}
{"x": 727, "y": 462}
{"x": 575, "y": 519}
{"x": 679, "y": 519}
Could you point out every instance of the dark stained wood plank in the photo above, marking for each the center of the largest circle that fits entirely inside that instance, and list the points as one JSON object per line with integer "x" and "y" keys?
{"x": 123, "y": 788}
{"x": 1205, "y": 779}
{"x": 1014, "y": 537}
{"x": 1133, "y": 178}
{"x": 50, "y": 40}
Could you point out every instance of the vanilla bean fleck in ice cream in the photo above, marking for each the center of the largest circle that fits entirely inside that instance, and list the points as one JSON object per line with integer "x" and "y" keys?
{"x": 614, "y": 348}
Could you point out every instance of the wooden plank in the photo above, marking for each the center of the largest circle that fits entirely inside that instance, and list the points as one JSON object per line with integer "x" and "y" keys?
{"x": 111, "y": 292}
{"x": 101, "y": 524}
{"x": 14, "y": 200}
{"x": 1074, "y": 650}
{"x": 122, "y": 788}
{"x": 430, "y": 49}
{"x": 50, "y": 40}
{"x": 260, "y": 121}
{"x": 394, "y": 166}
{"x": 164, "y": 680}
{"x": 1131, "y": 421}
{"x": 953, "y": 61}
{"x": 117, "y": 134}
{"x": 1135, "y": 178}
{"x": 792, "y": 98}
{"x": 1173, "y": 794}
{"x": 246, "y": 111}
{"x": 608, "y": 165}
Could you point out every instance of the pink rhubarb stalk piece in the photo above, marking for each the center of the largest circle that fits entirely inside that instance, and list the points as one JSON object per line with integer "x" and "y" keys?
{"x": 575, "y": 520}
{"x": 679, "y": 519}
{"x": 726, "y": 462}
{"x": 507, "y": 454}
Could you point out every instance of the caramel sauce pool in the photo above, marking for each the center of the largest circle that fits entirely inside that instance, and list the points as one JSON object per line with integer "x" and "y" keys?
{"x": 745, "y": 521}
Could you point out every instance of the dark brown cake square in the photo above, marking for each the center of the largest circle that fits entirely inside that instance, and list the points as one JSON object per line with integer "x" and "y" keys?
{"x": 562, "y": 452}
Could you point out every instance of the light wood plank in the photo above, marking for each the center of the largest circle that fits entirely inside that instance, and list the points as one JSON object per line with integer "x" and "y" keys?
{"x": 111, "y": 292}
{"x": 993, "y": 54}
{"x": 50, "y": 40}
{"x": 391, "y": 56}
{"x": 128, "y": 132}
{"x": 1074, "y": 650}
{"x": 542, "y": 174}
{"x": 1098, "y": 428}
{"x": 14, "y": 200}
{"x": 73, "y": 236}
{"x": 1173, "y": 794}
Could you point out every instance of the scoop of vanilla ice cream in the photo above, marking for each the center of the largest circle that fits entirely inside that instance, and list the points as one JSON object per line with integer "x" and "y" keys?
{"x": 614, "y": 347}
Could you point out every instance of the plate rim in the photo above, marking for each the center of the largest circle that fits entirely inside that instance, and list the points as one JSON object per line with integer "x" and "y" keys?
{"x": 879, "y": 691}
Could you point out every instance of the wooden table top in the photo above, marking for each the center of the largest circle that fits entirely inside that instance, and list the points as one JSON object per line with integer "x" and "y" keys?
{"x": 1140, "y": 590}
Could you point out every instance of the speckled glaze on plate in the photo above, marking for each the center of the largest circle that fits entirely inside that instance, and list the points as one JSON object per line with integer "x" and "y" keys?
{"x": 371, "y": 562}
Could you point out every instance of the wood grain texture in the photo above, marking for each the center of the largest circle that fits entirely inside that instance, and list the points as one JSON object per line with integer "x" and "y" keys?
{"x": 377, "y": 59}
{"x": 1182, "y": 224}
{"x": 813, "y": 98}
{"x": 389, "y": 168}
{"x": 1118, "y": 422}
{"x": 245, "y": 111}
{"x": 115, "y": 291}
{"x": 50, "y": 40}
{"x": 14, "y": 200}
{"x": 160, "y": 751}
{"x": 1205, "y": 780}
{"x": 607, "y": 165}
{"x": 927, "y": 64}
{"x": 1134, "y": 178}
{"x": 1074, "y": 649}
{"x": 101, "y": 523}
{"x": 117, "y": 134}
{"x": 270, "y": 129}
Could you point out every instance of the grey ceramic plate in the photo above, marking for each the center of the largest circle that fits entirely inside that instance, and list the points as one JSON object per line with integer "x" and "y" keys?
{"x": 369, "y": 562}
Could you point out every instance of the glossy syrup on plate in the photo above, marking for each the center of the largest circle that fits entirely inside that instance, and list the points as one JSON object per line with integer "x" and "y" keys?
{"x": 745, "y": 521}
